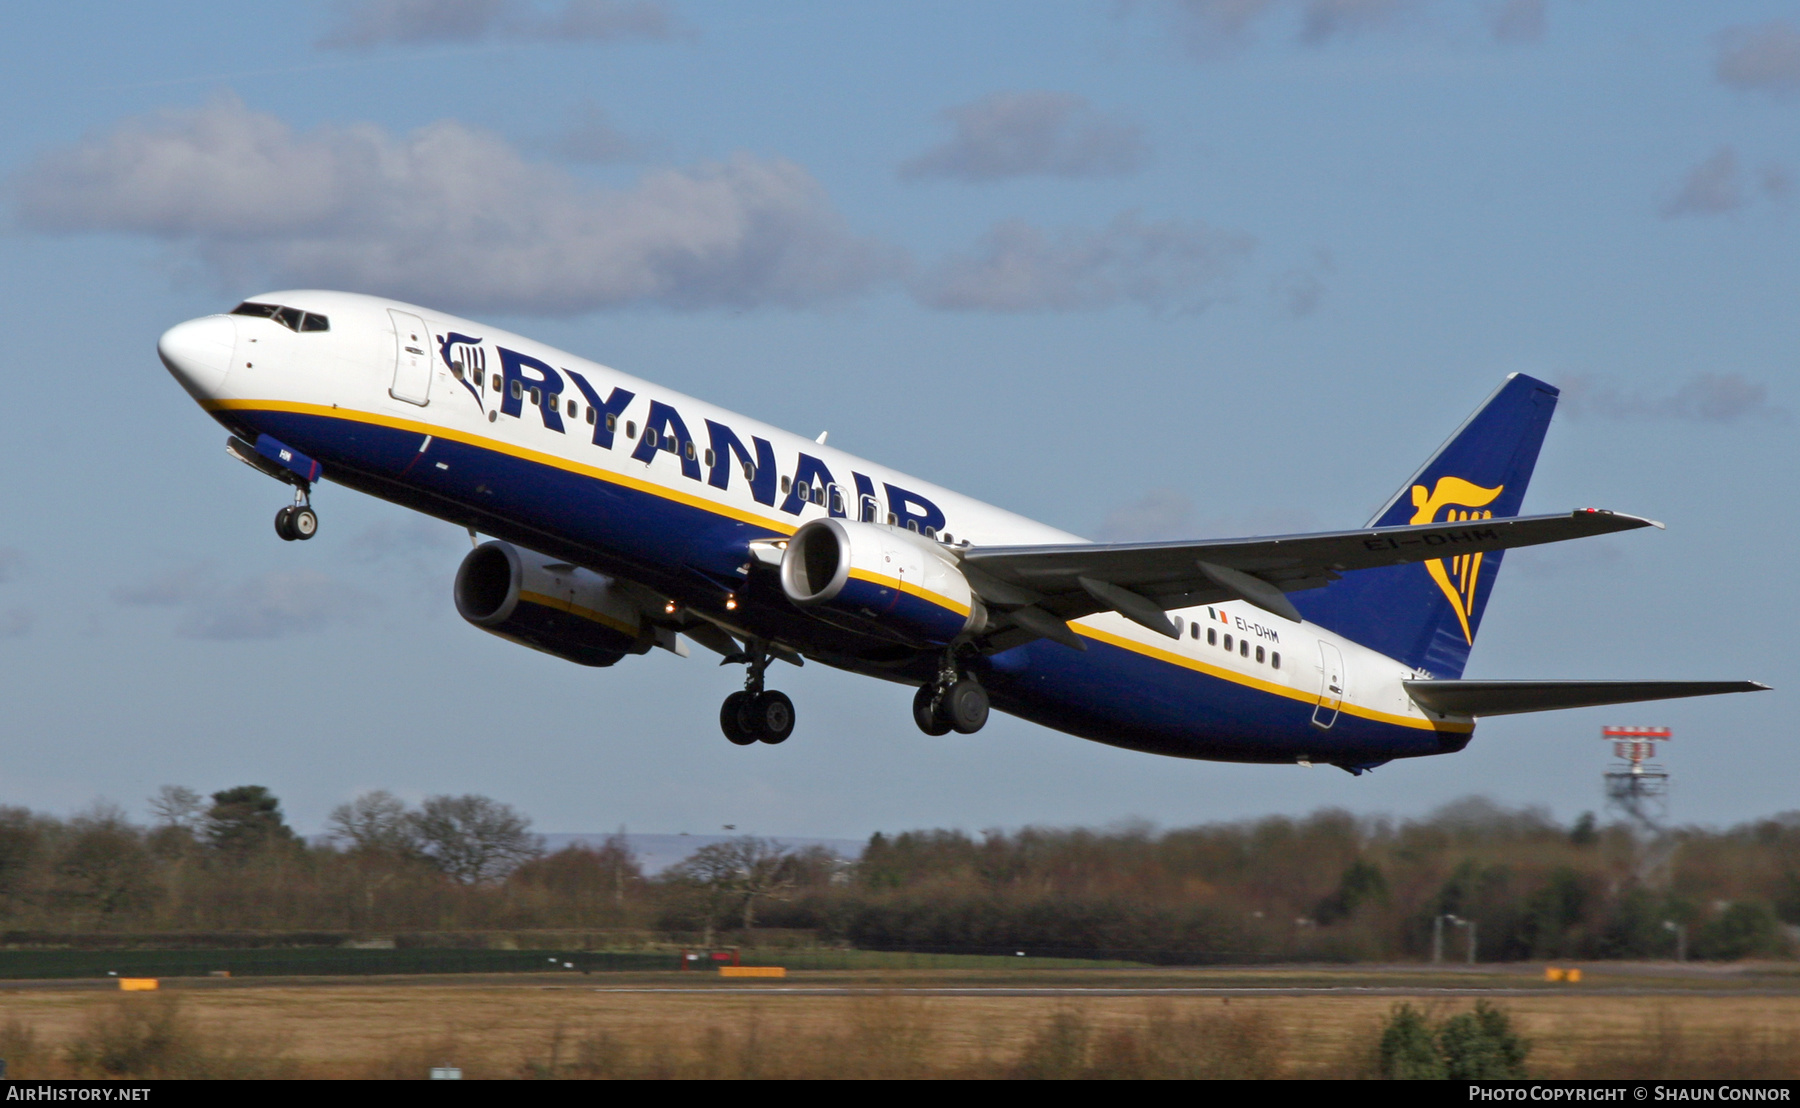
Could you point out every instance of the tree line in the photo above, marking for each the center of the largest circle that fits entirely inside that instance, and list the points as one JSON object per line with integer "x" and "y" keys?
{"x": 1330, "y": 886}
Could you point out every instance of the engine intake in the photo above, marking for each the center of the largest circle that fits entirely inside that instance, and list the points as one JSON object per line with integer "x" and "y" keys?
{"x": 563, "y": 610}
{"x": 883, "y": 576}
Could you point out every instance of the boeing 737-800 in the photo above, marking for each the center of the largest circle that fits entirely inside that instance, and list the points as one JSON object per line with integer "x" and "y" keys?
{"x": 624, "y": 516}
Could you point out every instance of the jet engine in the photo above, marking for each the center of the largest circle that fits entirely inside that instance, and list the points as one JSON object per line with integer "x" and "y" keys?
{"x": 560, "y": 609}
{"x": 892, "y": 579}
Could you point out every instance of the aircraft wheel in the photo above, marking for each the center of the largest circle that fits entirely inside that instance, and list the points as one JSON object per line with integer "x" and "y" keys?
{"x": 965, "y": 706}
{"x": 773, "y": 714}
{"x": 303, "y": 522}
{"x": 284, "y": 524}
{"x": 925, "y": 713}
{"x": 732, "y": 721}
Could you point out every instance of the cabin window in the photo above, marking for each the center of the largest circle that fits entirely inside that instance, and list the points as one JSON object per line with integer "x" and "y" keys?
{"x": 496, "y": 382}
{"x": 1193, "y": 630}
{"x": 650, "y": 436}
{"x": 1275, "y": 659}
{"x": 948, "y": 541}
{"x": 518, "y": 390}
{"x": 688, "y": 450}
{"x": 818, "y": 496}
{"x": 1212, "y": 636}
{"x": 750, "y": 472}
{"x": 709, "y": 458}
{"x": 573, "y": 409}
{"x": 537, "y": 398}
{"x": 871, "y": 511}
{"x": 786, "y": 484}
{"x": 1178, "y": 626}
{"x": 913, "y": 526}
{"x": 1244, "y": 647}
{"x": 1227, "y": 644}
{"x": 1259, "y": 653}
{"x": 612, "y": 421}
{"x": 892, "y": 519}
{"x": 837, "y": 500}
{"x": 315, "y": 322}
{"x": 931, "y": 532}
{"x": 630, "y": 428}
{"x": 456, "y": 370}
{"x": 591, "y": 418}
{"x": 804, "y": 491}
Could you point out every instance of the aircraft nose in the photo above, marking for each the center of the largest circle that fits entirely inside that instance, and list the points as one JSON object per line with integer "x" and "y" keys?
{"x": 198, "y": 353}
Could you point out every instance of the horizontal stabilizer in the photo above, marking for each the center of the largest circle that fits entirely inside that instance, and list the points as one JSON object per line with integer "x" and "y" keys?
{"x": 1501, "y": 698}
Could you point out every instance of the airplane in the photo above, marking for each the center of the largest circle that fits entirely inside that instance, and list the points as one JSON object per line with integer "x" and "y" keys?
{"x": 623, "y": 516}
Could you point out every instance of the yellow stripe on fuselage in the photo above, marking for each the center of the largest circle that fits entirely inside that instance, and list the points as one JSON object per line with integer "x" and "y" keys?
{"x": 785, "y": 527}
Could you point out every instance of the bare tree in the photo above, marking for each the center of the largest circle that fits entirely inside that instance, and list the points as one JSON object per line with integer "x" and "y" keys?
{"x": 738, "y": 873}
{"x": 474, "y": 839}
{"x": 178, "y": 806}
{"x": 375, "y": 823}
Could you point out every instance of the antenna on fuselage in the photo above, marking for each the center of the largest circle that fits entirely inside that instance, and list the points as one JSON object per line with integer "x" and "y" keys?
{"x": 474, "y": 539}
{"x": 821, "y": 439}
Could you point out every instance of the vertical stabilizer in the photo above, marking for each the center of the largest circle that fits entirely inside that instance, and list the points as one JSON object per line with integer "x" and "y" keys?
{"x": 1427, "y": 614}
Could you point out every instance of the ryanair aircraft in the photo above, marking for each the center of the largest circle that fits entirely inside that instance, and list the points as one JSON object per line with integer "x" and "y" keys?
{"x": 625, "y": 516}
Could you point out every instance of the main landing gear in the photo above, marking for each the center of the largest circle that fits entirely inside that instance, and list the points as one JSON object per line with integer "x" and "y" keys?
{"x": 757, "y": 715}
{"x": 950, "y": 702}
{"x": 298, "y": 521}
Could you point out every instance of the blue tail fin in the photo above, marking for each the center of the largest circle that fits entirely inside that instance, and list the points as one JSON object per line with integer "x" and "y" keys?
{"x": 1426, "y": 614}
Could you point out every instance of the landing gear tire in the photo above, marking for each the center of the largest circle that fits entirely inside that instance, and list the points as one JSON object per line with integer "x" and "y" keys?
{"x": 284, "y": 524}
{"x": 303, "y": 522}
{"x": 732, "y": 719}
{"x": 925, "y": 711}
{"x": 965, "y": 707}
{"x": 773, "y": 714}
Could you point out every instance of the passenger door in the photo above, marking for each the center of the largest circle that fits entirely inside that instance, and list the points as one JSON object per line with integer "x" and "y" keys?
{"x": 412, "y": 359}
{"x": 1331, "y": 686}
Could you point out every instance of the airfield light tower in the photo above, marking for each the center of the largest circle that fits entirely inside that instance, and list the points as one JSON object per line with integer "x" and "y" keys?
{"x": 1638, "y": 787}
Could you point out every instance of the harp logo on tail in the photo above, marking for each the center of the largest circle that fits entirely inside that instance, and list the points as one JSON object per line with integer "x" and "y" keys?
{"x": 1458, "y": 576}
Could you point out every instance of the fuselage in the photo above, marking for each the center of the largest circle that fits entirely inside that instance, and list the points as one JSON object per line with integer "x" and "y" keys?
{"x": 529, "y": 444}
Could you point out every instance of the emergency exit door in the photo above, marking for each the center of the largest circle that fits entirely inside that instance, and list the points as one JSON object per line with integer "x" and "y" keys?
{"x": 1331, "y": 686}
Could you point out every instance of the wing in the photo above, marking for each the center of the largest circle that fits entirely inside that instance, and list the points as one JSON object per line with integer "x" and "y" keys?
{"x": 1502, "y": 698}
{"x": 1039, "y": 588}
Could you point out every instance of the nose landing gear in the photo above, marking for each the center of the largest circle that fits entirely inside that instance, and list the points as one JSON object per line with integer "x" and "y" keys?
{"x": 757, "y": 715}
{"x": 297, "y": 521}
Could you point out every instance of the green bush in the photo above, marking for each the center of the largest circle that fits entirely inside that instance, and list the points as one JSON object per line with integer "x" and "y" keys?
{"x": 1409, "y": 1050}
{"x": 1476, "y": 1045}
{"x": 1482, "y": 1045}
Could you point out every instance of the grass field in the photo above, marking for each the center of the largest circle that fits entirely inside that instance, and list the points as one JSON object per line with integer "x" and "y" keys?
{"x": 1651, "y": 1022}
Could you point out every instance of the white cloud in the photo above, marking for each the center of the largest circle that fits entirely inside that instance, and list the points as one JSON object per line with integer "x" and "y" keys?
{"x": 450, "y": 215}
{"x": 1518, "y": 21}
{"x": 1703, "y": 398}
{"x": 1710, "y": 188}
{"x": 364, "y": 23}
{"x": 273, "y": 605}
{"x": 16, "y": 623}
{"x": 592, "y": 138}
{"x": 1211, "y": 27}
{"x": 1762, "y": 58}
{"x": 1017, "y": 134}
{"x": 1016, "y": 267}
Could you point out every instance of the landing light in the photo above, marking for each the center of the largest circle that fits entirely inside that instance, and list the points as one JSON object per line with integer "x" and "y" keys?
{"x": 669, "y": 608}
{"x": 731, "y": 603}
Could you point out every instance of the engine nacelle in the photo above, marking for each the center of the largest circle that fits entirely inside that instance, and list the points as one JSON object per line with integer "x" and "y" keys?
{"x": 564, "y": 610}
{"x": 894, "y": 579}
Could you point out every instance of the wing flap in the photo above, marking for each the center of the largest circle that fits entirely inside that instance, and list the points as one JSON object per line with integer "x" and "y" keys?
{"x": 1501, "y": 698}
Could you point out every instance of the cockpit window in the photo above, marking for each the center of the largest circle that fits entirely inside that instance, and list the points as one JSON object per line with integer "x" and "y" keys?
{"x": 292, "y": 318}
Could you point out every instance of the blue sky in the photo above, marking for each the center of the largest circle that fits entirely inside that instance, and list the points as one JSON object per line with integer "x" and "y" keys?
{"x": 1145, "y": 269}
